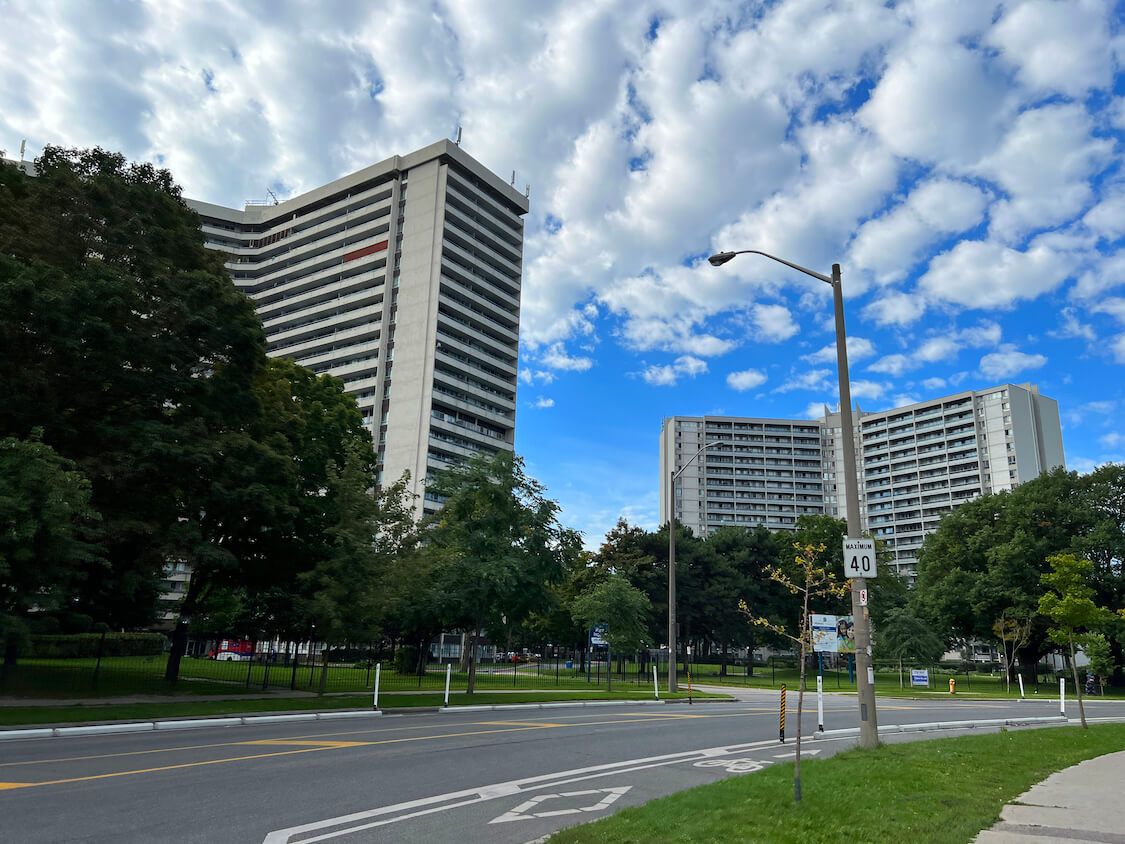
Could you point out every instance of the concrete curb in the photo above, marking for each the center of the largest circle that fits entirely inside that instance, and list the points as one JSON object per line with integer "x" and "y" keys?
{"x": 576, "y": 704}
{"x": 182, "y": 724}
{"x": 950, "y": 725}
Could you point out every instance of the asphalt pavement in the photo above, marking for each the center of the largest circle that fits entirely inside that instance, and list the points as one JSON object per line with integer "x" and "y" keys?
{"x": 498, "y": 776}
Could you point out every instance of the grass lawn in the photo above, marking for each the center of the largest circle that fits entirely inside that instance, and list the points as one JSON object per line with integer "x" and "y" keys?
{"x": 887, "y": 684}
{"x": 943, "y": 790}
{"x": 74, "y": 678}
{"x": 31, "y": 715}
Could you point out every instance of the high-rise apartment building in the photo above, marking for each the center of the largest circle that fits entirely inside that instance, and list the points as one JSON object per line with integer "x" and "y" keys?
{"x": 915, "y": 463}
{"x": 761, "y": 472}
{"x": 402, "y": 279}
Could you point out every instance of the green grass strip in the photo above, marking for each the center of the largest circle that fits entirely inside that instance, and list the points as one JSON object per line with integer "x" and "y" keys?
{"x": 943, "y": 790}
{"x": 11, "y": 716}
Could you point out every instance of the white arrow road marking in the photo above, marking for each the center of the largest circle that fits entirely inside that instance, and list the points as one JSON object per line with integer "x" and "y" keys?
{"x": 520, "y": 813}
{"x": 337, "y": 827}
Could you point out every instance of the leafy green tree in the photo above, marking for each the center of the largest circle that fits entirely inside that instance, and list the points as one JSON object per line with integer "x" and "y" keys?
{"x": 47, "y": 535}
{"x": 496, "y": 544}
{"x": 904, "y": 636}
{"x": 1098, "y": 651}
{"x": 619, "y": 604}
{"x": 127, "y": 344}
{"x": 1069, "y": 604}
{"x": 988, "y": 554}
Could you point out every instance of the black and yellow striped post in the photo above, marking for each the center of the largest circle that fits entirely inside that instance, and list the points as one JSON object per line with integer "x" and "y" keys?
{"x": 781, "y": 731}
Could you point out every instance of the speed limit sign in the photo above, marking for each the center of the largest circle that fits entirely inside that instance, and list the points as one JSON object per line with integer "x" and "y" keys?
{"x": 859, "y": 558}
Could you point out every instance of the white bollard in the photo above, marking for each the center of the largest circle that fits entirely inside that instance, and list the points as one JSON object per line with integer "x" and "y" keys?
{"x": 1020, "y": 678}
{"x": 378, "y": 667}
{"x": 655, "y": 684}
{"x": 448, "y": 671}
{"x": 1062, "y": 695}
{"x": 820, "y": 703}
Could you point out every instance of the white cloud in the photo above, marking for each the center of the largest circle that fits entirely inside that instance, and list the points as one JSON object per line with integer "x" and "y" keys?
{"x": 544, "y": 402}
{"x": 1008, "y": 362}
{"x": 1044, "y": 163}
{"x": 896, "y": 308}
{"x": 892, "y": 244}
{"x": 1111, "y": 440}
{"x": 937, "y": 349}
{"x": 772, "y": 323}
{"x": 814, "y": 379}
{"x": 934, "y": 384}
{"x": 1071, "y": 326}
{"x": 920, "y": 109}
{"x": 858, "y": 349}
{"x": 815, "y": 410}
{"x": 557, "y": 358}
{"x": 1061, "y": 47}
{"x": 1117, "y": 346}
{"x": 667, "y": 375}
{"x": 747, "y": 379}
{"x": 892, "y": 364}
{"x": 982, "y": 274}
{"x": 867, "y": 390}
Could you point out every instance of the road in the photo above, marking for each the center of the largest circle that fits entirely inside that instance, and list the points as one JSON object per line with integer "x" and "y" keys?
{"x": 465, "y": 777}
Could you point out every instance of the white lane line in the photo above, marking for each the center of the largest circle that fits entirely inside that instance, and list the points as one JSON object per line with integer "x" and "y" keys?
{"x": 457, "y": 799}
{"x": 521, "y": 812}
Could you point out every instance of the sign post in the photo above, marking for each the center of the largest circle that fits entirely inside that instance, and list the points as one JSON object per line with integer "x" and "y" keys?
{"x": 448, "y": 671}
{"x": 781, "y": 728}
{"x": 820, "y": 703}
{"x": 1062, "y": 696}
{"x": 1020, "y": 678}
{"x": 378, "y": 668}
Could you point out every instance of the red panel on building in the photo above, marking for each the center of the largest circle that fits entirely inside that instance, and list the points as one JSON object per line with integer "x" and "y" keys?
{"x": 364, "y": 251}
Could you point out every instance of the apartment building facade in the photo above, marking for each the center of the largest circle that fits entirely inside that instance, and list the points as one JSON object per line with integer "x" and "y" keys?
{"x": 403, "y": 279}
{"x": 760, "y": 472}
{"x": 916, "y": 463}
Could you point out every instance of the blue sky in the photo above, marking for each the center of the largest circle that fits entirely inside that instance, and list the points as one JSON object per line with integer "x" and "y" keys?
{"x": 960, "y": 158}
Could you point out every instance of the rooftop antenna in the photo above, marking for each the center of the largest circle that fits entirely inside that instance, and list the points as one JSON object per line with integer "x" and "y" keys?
{"x": 273, "y": 196}
{"x": 513, "y": 178}
{"x": 527, "y": 190}
{"x": 458, "y": 141}
{"x": 23, "y": 146}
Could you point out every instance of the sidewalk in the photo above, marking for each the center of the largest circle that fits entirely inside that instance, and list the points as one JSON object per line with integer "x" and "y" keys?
{"x": 1080, "y": 803}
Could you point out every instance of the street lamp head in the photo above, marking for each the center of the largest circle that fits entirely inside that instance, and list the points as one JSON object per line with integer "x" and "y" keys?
{"x": 720, "y": 258}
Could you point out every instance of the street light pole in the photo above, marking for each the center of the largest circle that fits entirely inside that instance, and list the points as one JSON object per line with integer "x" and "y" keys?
{"x": 673, "y": 686}
{"x": 865, "y": 686}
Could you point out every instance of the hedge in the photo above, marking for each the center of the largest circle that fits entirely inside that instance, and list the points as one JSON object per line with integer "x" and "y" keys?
{"x": 86, "y": 645}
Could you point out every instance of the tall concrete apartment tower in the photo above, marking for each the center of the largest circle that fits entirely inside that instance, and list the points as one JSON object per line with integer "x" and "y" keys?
{"x": 916, "y": 463}
{"x": 403, "y": 279}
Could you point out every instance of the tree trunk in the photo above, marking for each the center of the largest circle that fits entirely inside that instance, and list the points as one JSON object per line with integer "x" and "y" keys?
{"x": 180, "y": 633}
{"x": 472, "y": 662}
{"x": 1077, "y": 685}
{"x": 900, "y": 683}
{"x": 800, "y": 711}
{"x": 463, "y": 668}
{"x": 323, "y": 671}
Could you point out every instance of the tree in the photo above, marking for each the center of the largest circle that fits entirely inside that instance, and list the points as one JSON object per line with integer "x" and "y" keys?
{"x": 903, "y": 636}
{"x": 497, "y": 544}
{"x": 127, "y": 344}
{"x": 810, "y": 578}
{"x": 48, "y": 534}
{"x": 1014, "y": 632}
{"x": 1069, "y": 604}
{"x": 1100, "y": 655}
{"x": 620, "y": 605}
{"x": 988, "y": 554}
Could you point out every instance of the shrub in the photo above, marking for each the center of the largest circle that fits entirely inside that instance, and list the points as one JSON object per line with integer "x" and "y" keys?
{"x": 406, "y": 660}
{"x": 78, "y": 645}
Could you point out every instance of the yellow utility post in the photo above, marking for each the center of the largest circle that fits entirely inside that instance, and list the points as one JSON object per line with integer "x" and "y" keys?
{"x": 781, "y": 731}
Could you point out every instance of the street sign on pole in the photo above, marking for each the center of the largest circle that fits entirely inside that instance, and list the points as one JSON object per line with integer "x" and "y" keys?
{"x": 863, "y": 597}
{"x": 859, "y": 558}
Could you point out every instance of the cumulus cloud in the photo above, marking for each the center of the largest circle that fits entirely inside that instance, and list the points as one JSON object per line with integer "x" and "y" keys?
{"x": 557, "y": 358}
{"x": 772, "y": 323}
{"x": 896, "y": 308}
{"x": 542, "y": 401}
{"x": 984, "y": 274}
{"x": 1009, "y": 362}
{"x": 892, "y": 364}
{"x": 859, "y": 348}
{"x": 814, "y": 379}
{"x": 747, "y": 379}
{"x": 669, "y": 374}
